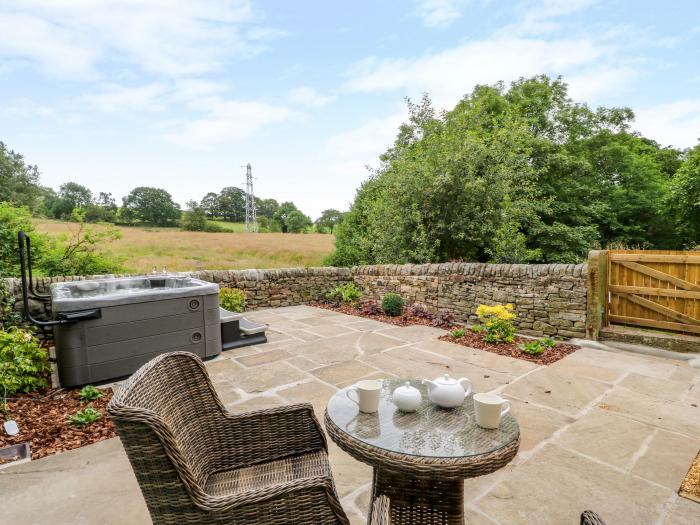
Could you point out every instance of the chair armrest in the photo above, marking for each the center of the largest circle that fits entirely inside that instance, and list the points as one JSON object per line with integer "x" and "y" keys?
{"x": 239, "y": 440}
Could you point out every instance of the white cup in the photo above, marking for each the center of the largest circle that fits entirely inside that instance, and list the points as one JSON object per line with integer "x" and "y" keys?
{"x": 489, "y": 409}
{"x": 368, "y": 392}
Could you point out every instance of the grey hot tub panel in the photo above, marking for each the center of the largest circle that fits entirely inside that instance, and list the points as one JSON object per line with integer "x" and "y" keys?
{"x": 128, "y": 334}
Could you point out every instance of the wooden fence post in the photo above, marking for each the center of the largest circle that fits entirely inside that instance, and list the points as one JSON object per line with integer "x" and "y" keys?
{"x": 596, "y": 291}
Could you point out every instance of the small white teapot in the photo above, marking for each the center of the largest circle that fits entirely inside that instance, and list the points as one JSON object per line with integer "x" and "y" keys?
{"x": 448, "y": 392}
{"x": 407, "y": 398}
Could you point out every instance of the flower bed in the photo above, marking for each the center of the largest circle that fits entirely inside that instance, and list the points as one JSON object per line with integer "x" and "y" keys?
{"x": 407, "y": 318}
{"x": 414, "y": 315}
{"x": 43, "y": 420}
{"x": 547, "y": 357}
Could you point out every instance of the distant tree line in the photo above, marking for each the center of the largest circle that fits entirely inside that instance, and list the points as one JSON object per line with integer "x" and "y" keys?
{"x": 20, "y": 186}
{"x": 520, "y": 174}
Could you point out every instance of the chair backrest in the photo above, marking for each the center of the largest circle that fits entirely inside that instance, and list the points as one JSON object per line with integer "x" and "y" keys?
{"x": 170, "y": 396}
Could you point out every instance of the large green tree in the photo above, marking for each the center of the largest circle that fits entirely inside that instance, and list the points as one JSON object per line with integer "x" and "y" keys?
{"x": 150, "y": 205}
{"x": 232, "y": 204}
{"x": 513, "y": 174}
{"x": 684, "y": 199}
{"x": 328, "y": 220}
{"x": 19, "y": 181}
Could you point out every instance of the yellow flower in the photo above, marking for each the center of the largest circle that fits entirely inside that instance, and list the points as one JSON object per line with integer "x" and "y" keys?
{"x": 499, "y": 311}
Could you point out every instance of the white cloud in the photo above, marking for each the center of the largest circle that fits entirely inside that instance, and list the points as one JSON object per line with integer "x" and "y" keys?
{"x": 449, "y": 74}
{"x": 439, "y": 13}
{"x": 24, "y": 108}
{"x": 351, "y": 150}
{"x": 75, "y": 37}
{"x": 122, "y": 99}
{"x": 267, "y": 33}
{"x": 675, "y": 123}
{"x": 308, "y": 97}
{"x": 540, "y": 18}
{"x": 226, "y": 120}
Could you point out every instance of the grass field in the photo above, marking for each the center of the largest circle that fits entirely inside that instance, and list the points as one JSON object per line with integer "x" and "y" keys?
{"x": 140, "y": 248}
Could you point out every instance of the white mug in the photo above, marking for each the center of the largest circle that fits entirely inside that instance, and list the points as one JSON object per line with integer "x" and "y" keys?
{"x": 489, "y": 409}
{"x": 368, "y": 392}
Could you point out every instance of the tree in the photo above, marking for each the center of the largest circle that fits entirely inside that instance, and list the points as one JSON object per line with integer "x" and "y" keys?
{"x": 282, "y": 214}
{"x": 232, "y": 204}
{"x": 150, "y": 205}
{"x": 266, "y": 207}
{"x": 297, "y": 222}
{"x": 511, "y": 174}
{"x": 684, "y": 199}
{"x": 103, "y": 209}
{"x": 328, "y": 220}
{"x": 195, "y": 219}
{"x": 19, "y": 182}
{"x": 210, "y": 205}
{"x": 71, "y": 195}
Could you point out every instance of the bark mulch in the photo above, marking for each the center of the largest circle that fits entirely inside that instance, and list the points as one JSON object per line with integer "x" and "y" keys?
{"x": 404, "y": 319}
{"x": 549, "y": 356}
{"x": 470, "y": 339}
{"x": 43, "y": 421}
{"x": 691, "y": 484}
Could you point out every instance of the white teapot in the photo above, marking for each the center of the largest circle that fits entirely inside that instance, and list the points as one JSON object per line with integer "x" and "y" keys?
{"x": 448, "y": 392}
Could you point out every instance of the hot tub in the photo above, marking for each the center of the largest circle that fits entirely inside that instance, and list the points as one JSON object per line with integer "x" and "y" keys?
{"x": 129, "y": 321}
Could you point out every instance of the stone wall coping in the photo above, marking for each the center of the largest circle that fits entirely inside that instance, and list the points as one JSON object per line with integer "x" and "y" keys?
{"x": 473, "y": 269}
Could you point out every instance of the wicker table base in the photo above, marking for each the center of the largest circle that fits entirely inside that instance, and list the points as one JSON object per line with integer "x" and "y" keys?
{"x": 419, "y": 501}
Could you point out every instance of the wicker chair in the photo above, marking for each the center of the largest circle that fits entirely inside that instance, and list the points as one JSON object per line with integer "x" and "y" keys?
{"x": 197, "y": 463}
{"x": 381, "y": 515}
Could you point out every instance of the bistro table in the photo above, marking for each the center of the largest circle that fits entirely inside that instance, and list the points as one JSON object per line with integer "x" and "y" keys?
{"x": 421, "y": 459}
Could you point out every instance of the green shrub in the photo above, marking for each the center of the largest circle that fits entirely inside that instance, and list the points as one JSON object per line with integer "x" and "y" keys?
{"x": 84, "y": 417}
{"x": 194, "y": 220}
{"x": 12, "y": 220}
{"x": 80, "y": 253}
{"x": 346, "y": 293}
{"x": 232, "y": 299}
{"x": 9, "y": 317}
{"x": 548, "y": 342}
{"x": 24, "y": 365}
{"x": 532, "y": 348}
{"x": 89, "y": 393}
{"x": 459, "y": 332}
{"x": 212, "y": 227}
{"x": 392, "y": 304}
{"x": 478, "y": 328}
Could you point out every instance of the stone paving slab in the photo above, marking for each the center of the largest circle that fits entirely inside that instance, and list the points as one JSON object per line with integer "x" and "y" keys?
{"x": 607, "y": 437}
{"x": 554, "y": 486}
{"x": 614, "y": 432}
{"x": 557, "y": 390}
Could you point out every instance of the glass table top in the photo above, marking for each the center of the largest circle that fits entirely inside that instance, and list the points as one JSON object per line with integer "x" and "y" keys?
{"x": 431, "y": 431}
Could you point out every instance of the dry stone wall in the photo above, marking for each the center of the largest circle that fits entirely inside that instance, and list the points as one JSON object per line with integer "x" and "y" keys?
{"x": 549, "y": 298}
{"x": 263, "y": 288}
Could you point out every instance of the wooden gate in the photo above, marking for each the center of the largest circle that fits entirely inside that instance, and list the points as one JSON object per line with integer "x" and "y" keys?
{"x": 654, "y": 289}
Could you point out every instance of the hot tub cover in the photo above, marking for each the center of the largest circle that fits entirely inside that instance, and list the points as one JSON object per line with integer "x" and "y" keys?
{"x": 98, "y": 293}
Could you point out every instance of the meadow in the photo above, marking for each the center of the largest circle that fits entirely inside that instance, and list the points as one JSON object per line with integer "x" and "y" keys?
{"x": 140, "y": 248}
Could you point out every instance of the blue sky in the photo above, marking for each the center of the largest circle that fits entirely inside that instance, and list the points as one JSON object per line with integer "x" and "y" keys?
{"x": 115, "y": 94}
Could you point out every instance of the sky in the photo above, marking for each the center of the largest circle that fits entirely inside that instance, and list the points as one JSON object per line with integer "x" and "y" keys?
{"x": 181, "y": 94}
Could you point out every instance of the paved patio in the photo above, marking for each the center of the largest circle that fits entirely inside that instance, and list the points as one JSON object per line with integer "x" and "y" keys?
{"x": 613, "y": 432}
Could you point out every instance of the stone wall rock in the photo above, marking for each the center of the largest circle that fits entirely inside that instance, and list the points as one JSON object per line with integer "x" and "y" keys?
{"x": 263, "y": 288}
{"x": 550, "y": 299}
